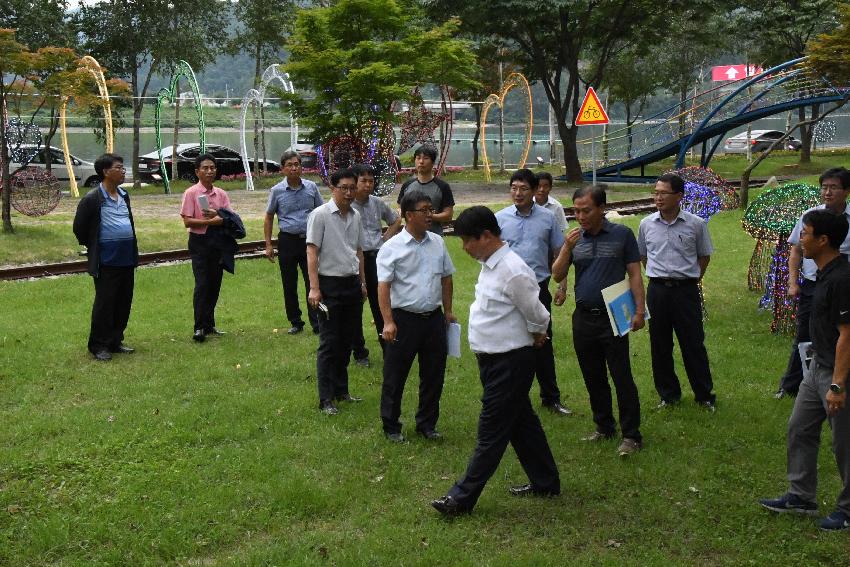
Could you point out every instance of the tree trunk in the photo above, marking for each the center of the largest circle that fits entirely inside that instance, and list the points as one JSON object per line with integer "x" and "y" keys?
{"x": 807, "y": 133}
{"x": 683, "y": 96}
{"x": 571, "y": 162}
{"x": 629, "y": 130}
{"x": 48, "y": 138}
{"x": 476, "y": 136}
{"x": 4, "y": 164}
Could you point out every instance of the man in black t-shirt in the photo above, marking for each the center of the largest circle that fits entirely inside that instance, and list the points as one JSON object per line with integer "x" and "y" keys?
{"x": 440, "y": 193}
{"x": 822, "y": 395}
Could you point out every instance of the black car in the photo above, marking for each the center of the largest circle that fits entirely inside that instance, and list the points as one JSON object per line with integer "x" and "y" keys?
{"x": 229, "y": 162}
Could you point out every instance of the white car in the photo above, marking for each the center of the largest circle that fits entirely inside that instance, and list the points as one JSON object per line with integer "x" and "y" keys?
{"x": 760, "y": 140}
{"x": 83, "y": 170}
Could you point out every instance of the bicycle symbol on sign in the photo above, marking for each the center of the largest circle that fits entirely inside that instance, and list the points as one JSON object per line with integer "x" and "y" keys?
{"x": 592, "y": 114}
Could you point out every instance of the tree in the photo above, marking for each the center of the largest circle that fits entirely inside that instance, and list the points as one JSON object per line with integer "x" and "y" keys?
{"x": 829, "y": 53}
{"x": 265, "y": 26}
{"x": 136, "y": 39}
{"x": 565, "y": 44}
{"x": 358, "y": 57}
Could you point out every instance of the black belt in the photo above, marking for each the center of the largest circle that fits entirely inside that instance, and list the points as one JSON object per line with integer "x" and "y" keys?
{"x": 425, "y": 315}
{"x": 591, "y": 310}
{"x": 300, "y": 236}
{"x": 370, "y": 253}
{"x": 673, "y": 282}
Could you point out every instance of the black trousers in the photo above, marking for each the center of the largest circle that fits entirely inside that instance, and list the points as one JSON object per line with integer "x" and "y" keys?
{"x": 790, "y": 381}
{"x": 507, "y": 417}
{"x": 425, "y": 337}
{"x": 678, "y": 309}
{"x": 370, "y": 267}
{"x": 344, "y": 301}
{"x": 292, "y": 255}
{"x": 113, "y": 297}
{"x": 596, "y": 346}
{"x": 545, "y": 363}
{"x": 208, "y": 271}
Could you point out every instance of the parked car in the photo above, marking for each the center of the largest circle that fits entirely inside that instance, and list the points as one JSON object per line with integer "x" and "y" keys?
{"x": 83, "y": 170}
{"x": 307, "y": 152}
{"x": 760, "y": 140}
{"x": 229, "y": 162}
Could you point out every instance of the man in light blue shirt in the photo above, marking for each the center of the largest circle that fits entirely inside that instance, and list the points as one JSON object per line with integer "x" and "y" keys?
{"x": 292, "y": 200}
{"x": 414, "y": 287}
{"x": 533, "y": 234}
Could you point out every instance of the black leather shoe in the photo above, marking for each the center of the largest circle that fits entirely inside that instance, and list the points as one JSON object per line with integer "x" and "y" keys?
{"x": 123, "y": 349}
{"x": 395, "y": 437}
{"x": 348, "y": 398}
{"x": 102, "y": 355}
{"x": 528, "y": 490}
{"x": 448, "y": 506}
{"x": 199, "y": 336}
{"x": 328, "y": 407}
{"x": 295, "y": 329}
{"x": 431, "y": 434}
{"x": 214, "y": 332}
{"x": 558, "y": 409}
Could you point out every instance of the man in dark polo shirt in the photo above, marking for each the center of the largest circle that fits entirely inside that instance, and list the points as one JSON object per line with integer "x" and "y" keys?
{"x": 603, "y": 253}
{"x": 104, "y": 224}
{"x": 292, "y": 200}
{"x": 440, "y": 193}
{"x": 822, "y": 395}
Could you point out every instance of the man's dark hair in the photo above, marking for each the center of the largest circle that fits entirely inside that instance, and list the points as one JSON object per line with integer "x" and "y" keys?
{"x": 204, "y": 157}
{"x": 676, "y": 183}
{"x": 545, "y": 175}
{"x": 411, "y": 199}
{"x": 596, "y": 192}
{"x": 289, "y": 154}
{"x": 475, "y": 220}
{"x": 427, "y": 151}
{"x": 105, "y": 162}
{"x": 363, "y": 169}
{"x": 824, "y": 222}
{"x": 525, "y": 175}
{"x": 341, "y": 174}
{"x": 839, "y": 173}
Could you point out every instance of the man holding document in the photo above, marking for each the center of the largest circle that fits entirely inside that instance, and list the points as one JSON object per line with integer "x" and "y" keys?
{"x": 415, "y": 296}
{"x": 603, "y": 253}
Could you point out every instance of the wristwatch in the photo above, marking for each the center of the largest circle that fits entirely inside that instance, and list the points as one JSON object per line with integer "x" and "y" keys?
{"x": 836, "y": 388}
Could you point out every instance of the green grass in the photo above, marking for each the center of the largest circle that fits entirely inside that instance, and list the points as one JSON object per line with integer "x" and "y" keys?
{"x": 216, "y": 454}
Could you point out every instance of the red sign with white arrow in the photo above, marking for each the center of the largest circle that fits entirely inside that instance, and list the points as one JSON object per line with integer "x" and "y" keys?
{"x": 734, "y": 72}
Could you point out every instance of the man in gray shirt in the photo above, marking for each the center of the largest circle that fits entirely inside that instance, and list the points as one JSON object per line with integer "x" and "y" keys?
{"x": 425, "y": 181}
{"x": 372, "y": 211}
{"x": 337, "y": 286}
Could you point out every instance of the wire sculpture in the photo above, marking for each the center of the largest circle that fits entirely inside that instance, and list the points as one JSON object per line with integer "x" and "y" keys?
{"x": 418, "y": 124}
{"x": 254, "y": 96}
{"x": 182, "y": 69}
{"x": 23, "y": 140}
{"x": 35, "y": 192}
{"x": 514, "y": 80}
{"x": 824, "y": 131}
{"x": 91, "y": 65}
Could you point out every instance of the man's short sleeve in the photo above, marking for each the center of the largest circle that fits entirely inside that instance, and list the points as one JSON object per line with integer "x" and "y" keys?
{"x": 641, "y": 238}
{"x": 384, "y": 263}
{"x": 225, "y": 199}
{"x": 448, "y": 197}
{"x": 387, "y": 213}
{"x": 315, "y": 227}
{"x": 189, "y": 205}
{"x": 317, "y": 197}
{"x": 704, "y": 245}
{"x": 630, "y": 247}
{"x": 448, "y": 265}
{"x": 271, "y": 207}
{"x": 841, "y": 302}
{"x": 404, "y": 187}
{"x": 795, "y": 234}
{"x": 556, "y": 236}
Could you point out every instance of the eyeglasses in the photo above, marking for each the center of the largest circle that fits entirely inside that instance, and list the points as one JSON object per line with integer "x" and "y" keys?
{"x": 118, "y": 168}
{"x": 292, "y": 164}
{"x": 424, "y": 211}
{"x": 347, "y": 188}
{"x": 662, "y": 194}
{"x": 207, "y": 168}
{"x": 520, "y": 188}
{"x": 831, "y": 188}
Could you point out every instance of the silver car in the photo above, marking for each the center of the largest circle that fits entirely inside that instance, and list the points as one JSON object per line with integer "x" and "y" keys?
{"x": 760, "y": 140}
{"x": 83, "y": 170}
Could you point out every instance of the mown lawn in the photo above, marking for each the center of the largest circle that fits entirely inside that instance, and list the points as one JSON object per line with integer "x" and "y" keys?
{"x": 216, "y": 454}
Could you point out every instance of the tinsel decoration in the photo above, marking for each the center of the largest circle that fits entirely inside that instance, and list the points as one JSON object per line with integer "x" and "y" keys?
{"x": 716, "y": 194}
{"x": 23, "y": 140}
{"x": 824, "y": 131}
{"x": 770, "y": 219}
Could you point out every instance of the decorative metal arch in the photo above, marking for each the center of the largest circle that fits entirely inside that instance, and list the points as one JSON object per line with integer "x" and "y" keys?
{"x": 514, "y": 80}
{"x": 272, "y": 73}
{"x": 184, "y": 70}
{"x": 91, "y": 65}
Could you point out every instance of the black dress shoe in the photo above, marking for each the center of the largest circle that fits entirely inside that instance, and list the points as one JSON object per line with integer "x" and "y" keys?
{"x": 395, "y": 437}
{"x": 448, "y": 506}
{"x": 123, "y": 349}
{"x": 348, "y": 398}
{"x": 295, "y": 329}
{"x": 102, "y": 355}
{"x": 528, "y": 490}
{"x": 213, "y": 332}
{"x": 431, "y": 434}
{"x": 199, "y": 336}
{"x": 557, "y": 408}
{"x": 327, "y": 407}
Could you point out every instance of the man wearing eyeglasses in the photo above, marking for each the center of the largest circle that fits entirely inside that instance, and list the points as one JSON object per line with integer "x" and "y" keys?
{"x": 534, "y": 235}
{"x": 802, "y": 273}
{"x": 292, "y": 200}
{"x": 415, "y": 296}
{"x": 337, "y": 286}
{"x": 104, "y": 224}
{"x": 675, "y": 248}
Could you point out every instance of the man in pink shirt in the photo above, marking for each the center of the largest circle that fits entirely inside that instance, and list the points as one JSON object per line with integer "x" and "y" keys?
{"x": 199, "y": 210}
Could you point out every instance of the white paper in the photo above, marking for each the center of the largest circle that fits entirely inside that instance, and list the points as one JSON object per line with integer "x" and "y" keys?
{"x": 453, "y": 339}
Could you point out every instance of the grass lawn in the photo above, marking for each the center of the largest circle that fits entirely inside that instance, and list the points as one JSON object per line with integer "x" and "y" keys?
{"x": 216, "y": 454}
